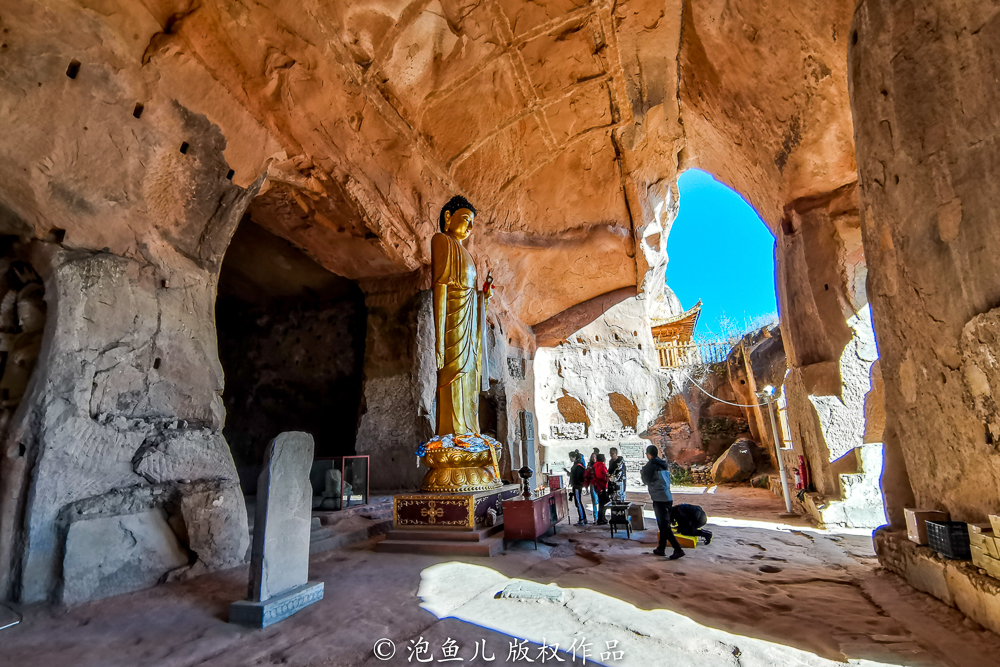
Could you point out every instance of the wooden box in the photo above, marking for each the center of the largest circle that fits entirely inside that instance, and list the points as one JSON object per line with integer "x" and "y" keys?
{"x": 980, "y": 536}
{"x": 916, "y": 519}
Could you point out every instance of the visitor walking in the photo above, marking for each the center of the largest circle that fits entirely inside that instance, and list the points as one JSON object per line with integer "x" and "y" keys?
{"x": 588, "y": 480}
{"x": 689, "y": 520}
{"x": 576, "y": 474}
{"x": 616, "y": 478}
{"x": 601, "y": 484}
{"x": 573, "y": 456}
{"x": 656, "y": 476}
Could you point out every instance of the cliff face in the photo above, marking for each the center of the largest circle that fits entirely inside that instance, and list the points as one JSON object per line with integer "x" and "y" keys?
{"x": 564, "y": 122}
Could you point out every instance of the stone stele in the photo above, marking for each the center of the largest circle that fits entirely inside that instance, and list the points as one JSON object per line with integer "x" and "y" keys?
{"x": 279, "y": 563}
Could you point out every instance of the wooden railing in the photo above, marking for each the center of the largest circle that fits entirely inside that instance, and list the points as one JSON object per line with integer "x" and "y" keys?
{"x": 675, "y": 354}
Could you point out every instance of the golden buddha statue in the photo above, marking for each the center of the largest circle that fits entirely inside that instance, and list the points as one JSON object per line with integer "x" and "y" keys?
{"x": 459, "y": 458}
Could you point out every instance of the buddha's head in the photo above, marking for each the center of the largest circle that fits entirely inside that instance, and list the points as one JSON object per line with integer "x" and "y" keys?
{"x": 457, "y": 217}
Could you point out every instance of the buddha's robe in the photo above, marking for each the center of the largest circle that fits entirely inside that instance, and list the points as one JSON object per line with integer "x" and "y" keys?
{"x": 458, "y": 379}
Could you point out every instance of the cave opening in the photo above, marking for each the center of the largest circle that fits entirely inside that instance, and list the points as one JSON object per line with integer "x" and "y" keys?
{"x": 292, "y": 346}
{"x": 715, "y": 226}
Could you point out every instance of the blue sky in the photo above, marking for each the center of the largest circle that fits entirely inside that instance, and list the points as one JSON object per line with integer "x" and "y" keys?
{"x": 720, "y": 252}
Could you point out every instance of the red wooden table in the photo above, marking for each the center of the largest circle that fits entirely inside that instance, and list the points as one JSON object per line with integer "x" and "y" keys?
{"x": 530, "y": 519}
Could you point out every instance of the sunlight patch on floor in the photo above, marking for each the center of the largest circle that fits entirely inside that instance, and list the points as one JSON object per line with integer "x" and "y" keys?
{"x": 773, "y": 525}
{"x": 645, "y": 638}
{"x": 776, "y": 525}
{"x": 694, "y": 490}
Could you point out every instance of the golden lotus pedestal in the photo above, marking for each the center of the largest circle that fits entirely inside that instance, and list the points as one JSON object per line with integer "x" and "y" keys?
{"x": 459, "y": 490}
{"x": 451, "y": 513}
{"x": 455, "y": 470}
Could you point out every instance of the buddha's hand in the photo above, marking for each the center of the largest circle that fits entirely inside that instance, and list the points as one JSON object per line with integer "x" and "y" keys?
{"x": 439, "y": 357}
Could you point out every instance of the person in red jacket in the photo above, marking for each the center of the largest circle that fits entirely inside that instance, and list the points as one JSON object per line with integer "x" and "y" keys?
{"x": 600, "y": 483}
{"x": 588, "y": 481}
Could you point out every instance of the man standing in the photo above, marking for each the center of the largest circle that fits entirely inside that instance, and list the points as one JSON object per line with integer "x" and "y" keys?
{"x": 616, "y": 478}
{"x": 576, "y": 483}
{"x": 656, "y": 477}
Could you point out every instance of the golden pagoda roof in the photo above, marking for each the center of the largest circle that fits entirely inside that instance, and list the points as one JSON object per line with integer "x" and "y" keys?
{"x": 679, "y": 328}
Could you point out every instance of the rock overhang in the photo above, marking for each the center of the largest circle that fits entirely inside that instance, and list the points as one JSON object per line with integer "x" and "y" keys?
{"x": 558, "y": 119}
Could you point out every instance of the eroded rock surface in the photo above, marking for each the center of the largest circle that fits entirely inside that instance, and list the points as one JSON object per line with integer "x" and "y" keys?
{"x": 561, "y": 121}
{"x": 924, "y": 81}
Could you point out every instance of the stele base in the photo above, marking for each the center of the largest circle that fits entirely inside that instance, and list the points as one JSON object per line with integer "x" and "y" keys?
{"x": 277, "y": 608}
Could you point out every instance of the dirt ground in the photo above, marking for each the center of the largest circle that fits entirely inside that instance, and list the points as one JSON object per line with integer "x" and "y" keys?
{"x": 767, "y": 591}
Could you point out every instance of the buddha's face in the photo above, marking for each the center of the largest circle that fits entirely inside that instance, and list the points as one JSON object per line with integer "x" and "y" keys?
{"x": 459, "y": 223}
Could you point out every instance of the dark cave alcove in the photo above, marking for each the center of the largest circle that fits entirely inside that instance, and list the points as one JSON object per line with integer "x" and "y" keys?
{"x": 292, "y": 345}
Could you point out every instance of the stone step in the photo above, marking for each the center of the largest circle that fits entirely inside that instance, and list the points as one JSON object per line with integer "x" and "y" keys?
{"x": 327, "y": 539}
{"x": 426, "y": 534}
{"x": 487, "y": 547}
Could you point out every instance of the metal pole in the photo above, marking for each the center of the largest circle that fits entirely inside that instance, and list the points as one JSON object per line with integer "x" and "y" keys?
{"x": 781, "y": 459}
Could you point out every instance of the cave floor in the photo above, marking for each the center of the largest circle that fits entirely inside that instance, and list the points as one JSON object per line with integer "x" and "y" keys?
{"x": 765, "y": 592}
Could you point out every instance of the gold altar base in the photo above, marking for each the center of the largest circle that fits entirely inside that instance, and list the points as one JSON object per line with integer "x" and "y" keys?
{"x": 458, "y": 471}
{"x": 449, "y": 511}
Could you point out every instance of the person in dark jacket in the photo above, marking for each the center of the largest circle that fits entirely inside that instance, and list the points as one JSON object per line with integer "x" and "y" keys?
{"x": 656, "y": 476}
{"x": 689, "y": 520}
{"x": 576, "y": 474}
{"x": 616, "y": 478}
{"x": 600, "y": 483}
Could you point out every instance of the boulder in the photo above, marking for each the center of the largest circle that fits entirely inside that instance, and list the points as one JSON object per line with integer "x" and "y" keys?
{"x": 736, "y": 463}
{"x": 109, "y": 555}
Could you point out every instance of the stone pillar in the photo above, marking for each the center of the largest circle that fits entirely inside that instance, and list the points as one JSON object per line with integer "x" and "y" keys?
{"x": 830, "y": 348}
{"x": 926, "y": 107}
{"x": 400, "y": 379}
{"x": 115, "y": 472}
{"x": 279, "y": 562}
{"x": 122, "y": 426}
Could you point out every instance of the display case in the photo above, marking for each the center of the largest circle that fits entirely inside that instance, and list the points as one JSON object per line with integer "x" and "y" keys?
{"x": 339, "y": 482}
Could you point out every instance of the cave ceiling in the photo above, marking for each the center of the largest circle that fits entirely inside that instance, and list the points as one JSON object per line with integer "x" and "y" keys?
{"x": 557, "y": 118}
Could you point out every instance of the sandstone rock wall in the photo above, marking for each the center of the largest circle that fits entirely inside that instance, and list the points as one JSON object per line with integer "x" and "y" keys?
{"x": 830, "y": 346}
{"x": 294, "y": 366}
{"x": 132, "y": 192}
{"x": 399, "y": 382}
{"x": 125, "y": 400}
{"x": 601, "y": 387}
{"x": 499, "y": 101}
{"x": 756, "y": 362}
{"x": 925, "y": 102}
